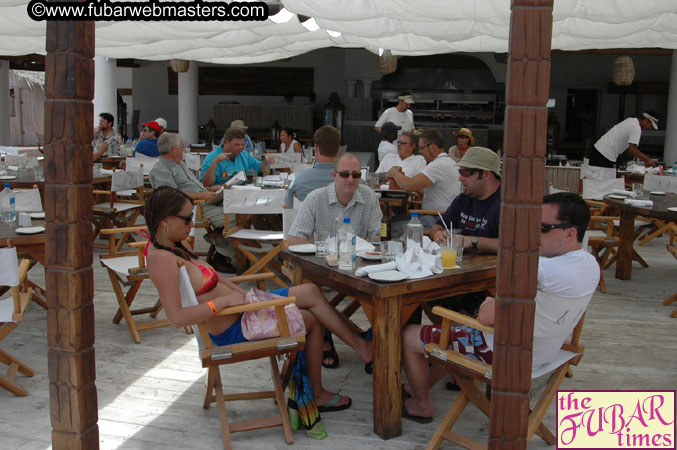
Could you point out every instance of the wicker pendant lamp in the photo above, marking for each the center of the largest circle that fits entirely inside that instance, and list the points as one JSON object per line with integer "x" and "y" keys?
{"x": 387, "y": 63}
{"x": 179, "y": 65}
{"x": 623, "y": 71}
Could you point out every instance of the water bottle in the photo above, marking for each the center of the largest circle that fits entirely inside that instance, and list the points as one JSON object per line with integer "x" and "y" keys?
{"x": 674, "y": 168}
{"x": 346, "y": 246}
{"x": 7, "y": 205}
{"x": 414, "y": 231}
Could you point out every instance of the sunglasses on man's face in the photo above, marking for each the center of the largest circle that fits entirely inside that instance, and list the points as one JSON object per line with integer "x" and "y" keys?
{"x": 401, "y": 142}
{"x": 186, "y": 219}
{"x": 346, "y": 174}
{"x": 546, "y": 227}
{"x": 465, "y": 173}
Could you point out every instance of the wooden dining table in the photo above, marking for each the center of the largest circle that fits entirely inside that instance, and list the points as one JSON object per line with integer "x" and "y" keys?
{"x": 388, "y": 306}
{"x": 660, "y": 210}
{"x": 32, "y": 245}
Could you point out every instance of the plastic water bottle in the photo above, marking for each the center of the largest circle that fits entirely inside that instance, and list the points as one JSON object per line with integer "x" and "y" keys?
{"x": 414, "y": 231}
{"x": 674, "y": 168}
{"x": 346, "y": 246}
{"x": 7, "y": 205}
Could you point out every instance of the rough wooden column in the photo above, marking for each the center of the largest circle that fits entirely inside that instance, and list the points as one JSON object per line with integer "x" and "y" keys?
{"x": 527, "y": 86}
{"x": 69, "y": 88}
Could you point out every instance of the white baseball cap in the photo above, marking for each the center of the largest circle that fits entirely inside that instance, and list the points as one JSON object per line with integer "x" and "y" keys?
{"x": 162, "y": 122}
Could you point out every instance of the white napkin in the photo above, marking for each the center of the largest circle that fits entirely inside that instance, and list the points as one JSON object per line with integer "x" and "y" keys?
{"x": 430, "y": 245}
{"x": 623, "y": 192}
{"x": 13, "y": 168}
{"x": 364, "y": 270}
{"x": 237, "y": 187}
{"x": 3, "y": 172}
{"x": 415, "y": 263}
{"x": 639, "y": 203}
{"x": 636, "y": 170}
{"x": 360, "y": 245}
{"x": 106, "y": 172}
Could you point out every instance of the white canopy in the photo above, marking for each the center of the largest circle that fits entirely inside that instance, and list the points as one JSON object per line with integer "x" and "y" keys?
{"x": 406, "y": 27}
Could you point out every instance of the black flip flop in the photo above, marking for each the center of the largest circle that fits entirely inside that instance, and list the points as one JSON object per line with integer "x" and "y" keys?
{"x": 330, "y": 354}
{"x": 419, "y": 419}
{"x": 332, "y": 405}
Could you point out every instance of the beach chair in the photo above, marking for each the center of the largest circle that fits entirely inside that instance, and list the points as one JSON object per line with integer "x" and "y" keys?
{"x": 259, "y": 246}
{"x": 12, "y": 310}
{"x": 127, "y": 270}
{"x": 212, "y": 358}
{"x": 469, "y": 373}
{"x": 120, "y": 212}
{"x": 658, "y": 227}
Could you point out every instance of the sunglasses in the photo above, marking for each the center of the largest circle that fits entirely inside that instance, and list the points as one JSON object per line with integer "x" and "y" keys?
{"x": 186, "y": 219}
{"x": 546, "y": 227}
{"x": 401, "y": 142}
{"x": 346, "y": 174}
{"x": 465, "y": 173}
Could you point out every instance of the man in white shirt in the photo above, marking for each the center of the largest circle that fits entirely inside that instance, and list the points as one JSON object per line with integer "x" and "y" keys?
{"x": 624, "y": 135}
{"x": 411, "y": 164}
{"x": 567, "y": 277}
{"x": 389, "y": 131}
{"x": 400, "y": 115}
{"x": 438, "y": 182}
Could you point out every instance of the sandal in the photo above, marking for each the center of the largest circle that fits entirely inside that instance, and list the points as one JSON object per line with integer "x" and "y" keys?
{"x": 334, "y": 406}
{"x": 419, "y": 419}
{"x": 330, "y": 354}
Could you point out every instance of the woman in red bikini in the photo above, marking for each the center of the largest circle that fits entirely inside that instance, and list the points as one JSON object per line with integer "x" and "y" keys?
{"x": 169, "y": 214}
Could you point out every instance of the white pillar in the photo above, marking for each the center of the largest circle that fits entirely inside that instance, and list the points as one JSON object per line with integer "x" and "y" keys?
{"x": 105, "y": 89}
{"x": 670, "y": 149}
{"x": 5, "y": 137}
{"x": 188, "y": 96}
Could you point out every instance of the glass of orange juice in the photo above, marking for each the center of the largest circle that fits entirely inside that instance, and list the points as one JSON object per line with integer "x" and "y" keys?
{"x": 448, "y": 256}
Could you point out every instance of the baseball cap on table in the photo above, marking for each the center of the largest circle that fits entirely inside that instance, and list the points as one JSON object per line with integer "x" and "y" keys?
{"x": 162, "y": 122}
{"x": 153, "y": 124}
{"x": 651, "y": 115}
{"x": 389, "y": 126}
{"x": 408, "y": 99}
{"x": 481, "y": 158}
{"x": 238, "y": 124}
{"x": 467, "y": 133}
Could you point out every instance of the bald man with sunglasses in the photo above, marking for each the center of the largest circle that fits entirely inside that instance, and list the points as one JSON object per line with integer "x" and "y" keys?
{"x": 345, "y": 197}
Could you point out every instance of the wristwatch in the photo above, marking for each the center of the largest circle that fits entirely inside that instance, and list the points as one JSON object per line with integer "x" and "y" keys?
{"x": 474, "y": 240}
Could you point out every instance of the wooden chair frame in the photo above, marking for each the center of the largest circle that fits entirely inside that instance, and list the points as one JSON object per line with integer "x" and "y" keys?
{"x": 213, "y": 357}
{"x": 137, "y": 273}
{"x": 469, "y": 373}
{"x": 21, "y": 297}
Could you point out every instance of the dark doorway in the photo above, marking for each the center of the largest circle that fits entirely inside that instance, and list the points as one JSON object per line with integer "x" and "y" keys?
{"x": 581, "y": 116}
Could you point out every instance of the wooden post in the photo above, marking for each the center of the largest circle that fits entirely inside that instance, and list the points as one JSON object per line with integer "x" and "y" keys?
{"x": 69, "y": 88}
{"x": 526, "y": 118}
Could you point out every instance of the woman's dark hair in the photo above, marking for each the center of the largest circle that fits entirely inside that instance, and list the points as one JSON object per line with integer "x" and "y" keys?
{"x": 166, "y": 201}
{"x": 290, "y": 132}
{"x": 572, "y": 209}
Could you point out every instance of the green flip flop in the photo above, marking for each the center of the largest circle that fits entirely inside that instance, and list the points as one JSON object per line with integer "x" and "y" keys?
{"x": 334, "y": 406}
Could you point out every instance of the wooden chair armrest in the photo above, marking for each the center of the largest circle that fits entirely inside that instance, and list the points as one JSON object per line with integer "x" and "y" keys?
{"x": 458, "y": 358}
{"x": 137, "y": 245}
{"x": 24, "y": 267}
{"x": 256, "y": 306}
{"x": 101, "y": 192}
{"x": 133, "y": 229}
{"x": 462, "y": 319}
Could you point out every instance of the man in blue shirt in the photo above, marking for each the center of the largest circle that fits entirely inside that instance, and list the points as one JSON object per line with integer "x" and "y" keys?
{"x": 148, "y": 143}
{"x": 327, "y": 145}
{"x": 224, "y": 162}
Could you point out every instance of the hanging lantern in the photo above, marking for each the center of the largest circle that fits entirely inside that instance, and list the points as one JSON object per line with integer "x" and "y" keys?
{"x": 179, "y": 65}
{"x": 623, "y": 71}
{"x": 387, "y": 63}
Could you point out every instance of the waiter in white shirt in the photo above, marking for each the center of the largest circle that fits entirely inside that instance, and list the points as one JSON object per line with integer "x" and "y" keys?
{"x": 624, "y": 135}
{"x": 400, "y": 115}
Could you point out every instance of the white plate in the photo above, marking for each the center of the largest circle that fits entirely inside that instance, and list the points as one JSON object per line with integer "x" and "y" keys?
{"x": 657, "y": 193}
{"x": 388, "y": 275}
{"x": 30, "y": 230}
{"x": 618, "y": 197}
{"x": 672, "y": 208}
{"x": 37, "y": 215}
{"x": 7, "y": 177}
{"x": 302, "y": 248}
{"x": 364, "y": 255}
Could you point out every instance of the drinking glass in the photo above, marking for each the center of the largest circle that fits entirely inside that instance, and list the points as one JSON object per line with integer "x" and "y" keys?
{"x": 449, "y": 255}
{"x": 457, "y": 243}
{"x": 321, "y": 247}
{"x": 637, "y": 190}
{"x": 390, "y": 250}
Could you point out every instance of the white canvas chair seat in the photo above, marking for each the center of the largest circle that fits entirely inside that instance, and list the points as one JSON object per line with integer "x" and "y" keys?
{"x": 117, "y": 207}
{"x": 469, "y": 373}
{"x": 127, "y": 270}
{"x": 600, "y": 173}
{"x": 27, "y": 200}
{"x": 140, "y": 161}
{"x": 596, "y": 189}
{"x": 212, "y": 358}
{"x": 13, "y": 308}
{"x": 248, "y": 242}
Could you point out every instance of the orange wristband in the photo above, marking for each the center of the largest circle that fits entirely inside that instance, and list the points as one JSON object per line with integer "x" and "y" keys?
{"x": 436, "y": 234}
{"x": 212, "y": 307}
